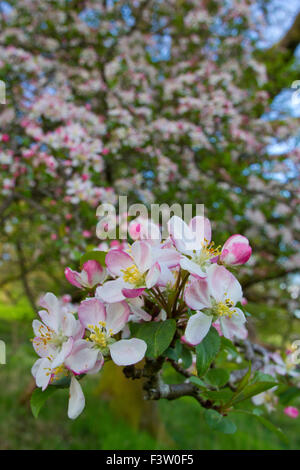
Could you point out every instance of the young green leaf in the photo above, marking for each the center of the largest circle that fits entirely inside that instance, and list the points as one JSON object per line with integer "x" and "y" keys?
{"x": 217, "y": 377}
{"x": 266, "y": 423}
{"x": 158, "y": 335}
{"x": 186, "y": 357}
{"x": 207, "y": 350}
{"x": 252, "y": 390}
{"x": 218, "y": 423}
{"x": 200, "y": 383}
{"x": 94, "y": 255}
{"x": 39, "y": 398}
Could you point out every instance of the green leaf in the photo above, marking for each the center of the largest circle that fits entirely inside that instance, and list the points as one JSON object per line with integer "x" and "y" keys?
{"x": 218, "y": 423}
{"x": 174, "y": 353}
{"x": 244, "y": 381}
{"x": 213, "y": 418}
{"x": 288, "y": 395}
{"x": 217, "y": 377}
{"x": 94, "y": 255}
{"x": 265, "y": 422}
{"x": 39, "y": 398}
{"x": 227, "y": 426}
{"x": 222, "y": 396}
{"x": 158, "y": 335}
{"x": 200, "y": 383}
{"x": 271, "y": 427}
{"x": 187, "y": 358}
{"x": 207, "y": 350}
{"x": 252, "y": 390}
{"x": 229, "y": 346}
{"x": 261, "y": 377}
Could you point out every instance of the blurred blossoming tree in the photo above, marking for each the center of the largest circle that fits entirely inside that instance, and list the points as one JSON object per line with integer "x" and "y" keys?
{"x": 161, "y": 101}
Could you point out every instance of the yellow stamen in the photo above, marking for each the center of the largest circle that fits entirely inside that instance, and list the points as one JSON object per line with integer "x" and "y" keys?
{"x": 210, "y": 249}
{"x": 99, "y": 334}
{"x": 224, "y": 309}
{"x": 133, "y": 275}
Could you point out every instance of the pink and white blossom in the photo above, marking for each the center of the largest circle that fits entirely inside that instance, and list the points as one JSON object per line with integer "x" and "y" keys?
{"x": 92, "y": 274}
{"x": 214, "y": 299}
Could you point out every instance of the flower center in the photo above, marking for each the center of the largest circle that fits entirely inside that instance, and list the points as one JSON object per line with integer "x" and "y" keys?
{"x": 49, "y": 336}
{"x": 224, "y": 309}
{"x": 57, "y": 373}
{"x": 100, "y": 335}
{"x": 133, "y": 276}
{"x": 208, "y": 251}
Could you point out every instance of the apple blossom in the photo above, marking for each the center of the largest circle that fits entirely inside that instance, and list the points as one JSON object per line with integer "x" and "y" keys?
{"x": 55, "y": 335}
{"x": 135, "y": 270}
{"x": 214, "y": 299}
{"x": 104, "y": 323}
{"x": 235, "y": 251}
{"x": 91, "y": 275}
{"x": 291, "y": 411}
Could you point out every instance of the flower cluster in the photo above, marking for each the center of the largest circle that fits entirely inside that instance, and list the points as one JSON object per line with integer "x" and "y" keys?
{"x": 184, "y": 278}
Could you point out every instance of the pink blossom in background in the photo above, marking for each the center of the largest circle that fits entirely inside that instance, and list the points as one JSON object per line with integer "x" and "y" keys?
{"x": 291, "y": 411}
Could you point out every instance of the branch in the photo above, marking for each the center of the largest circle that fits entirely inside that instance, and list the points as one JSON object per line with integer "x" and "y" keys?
{"x": 254, "y": 353}
{"x": 268, "y": 277}
{"x": 155, "y": 387}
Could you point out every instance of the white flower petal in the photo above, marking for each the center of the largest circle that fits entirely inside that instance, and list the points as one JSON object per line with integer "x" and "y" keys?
{"x": 197, "y": 327}
{"x": 128, "y": 351}
{"x": 76, "y": 399}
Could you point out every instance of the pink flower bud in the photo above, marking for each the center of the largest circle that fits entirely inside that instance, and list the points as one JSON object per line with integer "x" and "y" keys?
{"x": 115, "y": 244}
{"x": 86, "y": 234}
{"x": 291, "y": 411}
{"x": 236, "y": 250}
{"x": 91, "y": 275}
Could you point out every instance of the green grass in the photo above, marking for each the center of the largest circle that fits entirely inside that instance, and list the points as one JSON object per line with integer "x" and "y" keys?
{"x": 99, "y": 427}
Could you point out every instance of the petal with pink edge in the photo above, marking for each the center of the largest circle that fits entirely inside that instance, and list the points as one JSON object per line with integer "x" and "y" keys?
{"x": 95, "y": 272}
{"x": 222, "y": 284}
{"x": 91, "y": 312}
{"x": 116, "y": 261}
{"x": 132, "y": 293}
{"x": 111, "y": 291}
{"x": 202, "y": 227}
{"x": 234, "y": 327}
{"x": 43, "y": 373}
{"x": 51, "y": 316}
{"x": 196, "y": 294}
{"x": 192, "y": 267}
{"x": 236, "y": 250}
{"x": 181, "y": 235}
{"x": 168, "y": 257}
{"x": 197, "y": 327}
{"x": 82, "y": 358}
{"x": 128, "y": 351}
{"x": 76, "y": 399}
{"x": 73, "y": 277}
{"x": 142, "y": 254}
{"x": 153, "y": 275}
{"x": 117, "y": 316}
